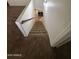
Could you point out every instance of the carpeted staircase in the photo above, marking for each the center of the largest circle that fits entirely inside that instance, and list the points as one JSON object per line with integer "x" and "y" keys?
{"x": 39, "y": 47}
{"x": 38, "y": 29}
{"x": 35, "y": 46}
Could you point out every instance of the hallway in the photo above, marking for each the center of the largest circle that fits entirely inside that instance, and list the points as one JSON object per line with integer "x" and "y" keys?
{"x": 35, "y": 46}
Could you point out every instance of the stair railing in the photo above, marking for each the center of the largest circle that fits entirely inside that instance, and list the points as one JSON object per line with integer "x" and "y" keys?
{"x": 22, "y": 22}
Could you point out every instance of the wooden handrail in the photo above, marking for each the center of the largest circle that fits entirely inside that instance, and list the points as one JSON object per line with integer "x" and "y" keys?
{"x": 22, "y": 22}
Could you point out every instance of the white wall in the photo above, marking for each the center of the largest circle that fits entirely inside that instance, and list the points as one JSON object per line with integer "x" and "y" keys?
{"x": 38, "y": 4}
{"x": 57, "y": 19}
{"x": 18, "y": 2}
{"x": 26, "y": 14}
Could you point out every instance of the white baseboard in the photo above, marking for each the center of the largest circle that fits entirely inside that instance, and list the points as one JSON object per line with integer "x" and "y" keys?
{"x": 63, "y": 36}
